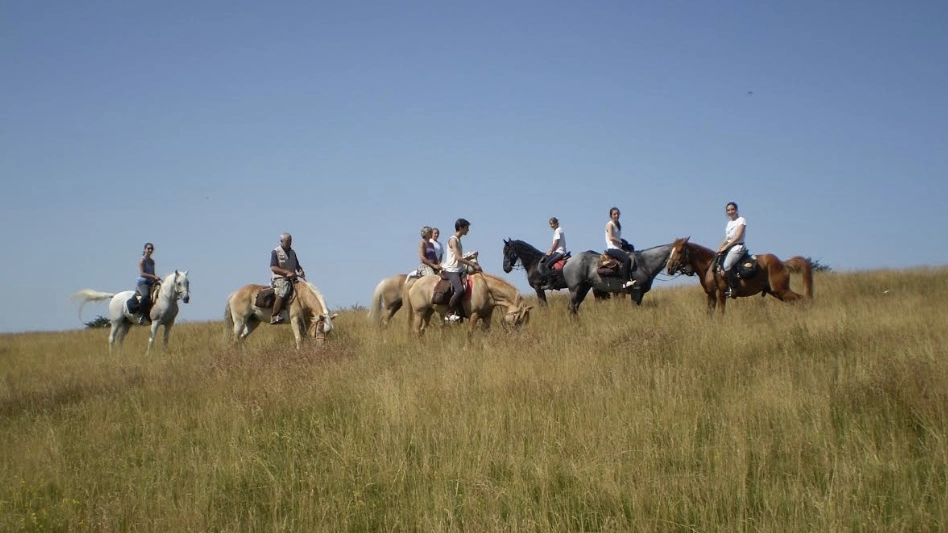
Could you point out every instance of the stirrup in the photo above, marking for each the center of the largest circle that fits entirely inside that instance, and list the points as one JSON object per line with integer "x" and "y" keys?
{"x": 277, "y": 319}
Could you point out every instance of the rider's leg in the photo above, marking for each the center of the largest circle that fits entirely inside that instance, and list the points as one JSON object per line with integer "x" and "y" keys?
{"x": 144, "y": 306}
{"x": 454, "y": 302}
{"x": 734, "y": 254}
{"x": 281, "y": 288}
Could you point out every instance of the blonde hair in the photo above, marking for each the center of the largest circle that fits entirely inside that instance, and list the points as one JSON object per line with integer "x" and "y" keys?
{"x": 426, "y": 230}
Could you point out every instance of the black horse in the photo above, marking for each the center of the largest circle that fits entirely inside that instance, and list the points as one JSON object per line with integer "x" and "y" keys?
{"x": 538, "y": 276}
{"x": 580, "y": 273}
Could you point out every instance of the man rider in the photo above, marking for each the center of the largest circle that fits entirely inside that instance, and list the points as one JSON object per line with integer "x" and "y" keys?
{"x": 284, "y": 269}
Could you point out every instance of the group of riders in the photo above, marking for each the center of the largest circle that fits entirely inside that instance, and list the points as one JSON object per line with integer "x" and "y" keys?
{"x": 450, "y": 261}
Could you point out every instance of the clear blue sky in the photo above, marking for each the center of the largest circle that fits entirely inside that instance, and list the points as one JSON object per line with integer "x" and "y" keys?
{"x": 210, "y": 127}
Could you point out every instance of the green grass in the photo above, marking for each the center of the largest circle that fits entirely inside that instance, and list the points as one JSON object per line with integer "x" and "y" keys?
{"x": 826, "y": 416}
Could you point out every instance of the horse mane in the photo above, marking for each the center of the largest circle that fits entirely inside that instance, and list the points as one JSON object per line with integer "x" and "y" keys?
{"x": 504, "y": 283}
{"x": 524, "y": 251}
{"x": 697, "y": 248}
{"x": 319, "y": 295}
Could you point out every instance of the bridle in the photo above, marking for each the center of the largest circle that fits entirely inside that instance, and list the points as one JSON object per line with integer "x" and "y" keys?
{"x": 682, "y": 263}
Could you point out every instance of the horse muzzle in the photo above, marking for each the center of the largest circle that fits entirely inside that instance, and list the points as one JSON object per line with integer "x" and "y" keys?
{"x": 187, "y": 298}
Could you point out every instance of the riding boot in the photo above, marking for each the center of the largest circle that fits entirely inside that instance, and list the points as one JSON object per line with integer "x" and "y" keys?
{"x": 732, "y": 282}
{"x": 275, "y": 316}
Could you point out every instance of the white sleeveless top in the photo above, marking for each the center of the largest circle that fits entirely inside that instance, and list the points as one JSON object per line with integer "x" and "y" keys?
{"x": 617, "y": 232}
{"x": 450, "y": 263}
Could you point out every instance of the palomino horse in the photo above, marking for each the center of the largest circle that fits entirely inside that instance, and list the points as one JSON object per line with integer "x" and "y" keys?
{"x": 175, "y": 286}
{"x": 486, "y": 292}
{"x": 580, "y": 273}
{"x": 307, "y": 312}
{"x": 773, "y": 276}
{"x": 388, "y": 297}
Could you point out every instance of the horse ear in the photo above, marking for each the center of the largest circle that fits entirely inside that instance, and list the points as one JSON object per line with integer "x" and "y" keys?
{"x": 507, "y": 241}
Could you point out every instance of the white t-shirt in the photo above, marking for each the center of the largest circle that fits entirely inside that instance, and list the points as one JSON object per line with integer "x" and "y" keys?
{"x": 732, "y": 228}
{"x": 439, "y": 250}
{"x": 618, "y": 233}
{"x": 450, "y": 263}
{"x": 558, "y": 234}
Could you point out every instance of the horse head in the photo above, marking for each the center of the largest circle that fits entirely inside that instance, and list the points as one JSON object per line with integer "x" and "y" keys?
{"x": 679, "y": 260}
{"x": 518, "y": 316}
{"x": 321, "y": 325}
{"x": 182, "y": 287}
{"x": 510, "y": 256}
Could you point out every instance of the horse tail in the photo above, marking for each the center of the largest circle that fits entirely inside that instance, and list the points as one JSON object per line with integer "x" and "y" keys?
{"x": 89, "y": 295}
{"x": 228, "y": 321}
{"x": 802, "y": 265}
{"x": 374, "y": 314}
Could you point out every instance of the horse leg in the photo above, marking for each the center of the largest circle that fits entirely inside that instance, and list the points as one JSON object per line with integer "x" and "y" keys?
{"x": 247, "y": 328}
{"x": 541, "y": 295}
{"x": 166, "y": 336}
{"x": 576, "y": 297}
{"x": 113, "y": 335}
{"x": 118, "y": 335}
{"x": 296, "y": 324}
{"x": 152, "y": 333}
{"x": 390, "y": 312}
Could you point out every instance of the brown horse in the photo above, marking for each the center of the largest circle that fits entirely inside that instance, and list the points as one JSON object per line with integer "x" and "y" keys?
{"x": 486, "y": 293}
{"x": 773, "y": 276}
{"x": 307, "y": 312}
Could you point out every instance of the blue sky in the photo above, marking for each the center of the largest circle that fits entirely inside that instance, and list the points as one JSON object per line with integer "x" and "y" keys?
{"x": 210, "y": 127}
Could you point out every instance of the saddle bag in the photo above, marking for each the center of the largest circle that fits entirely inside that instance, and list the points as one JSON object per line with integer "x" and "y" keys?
{"x": 608, "y": 266}
{"x": 265, "y": 298}
{"x": 442, "y": 292}
{"x": 747, "y": 267}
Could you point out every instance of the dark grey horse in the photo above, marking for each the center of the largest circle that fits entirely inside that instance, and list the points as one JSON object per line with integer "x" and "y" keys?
{"x": 537, "y": 276}
{"x": 580, "y": 273}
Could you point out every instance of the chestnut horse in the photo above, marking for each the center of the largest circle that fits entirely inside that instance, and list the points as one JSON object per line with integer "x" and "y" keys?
{"x": 307, "y": 311}
{"x": 485, "y": 293}
{"x": 773, "y": 276}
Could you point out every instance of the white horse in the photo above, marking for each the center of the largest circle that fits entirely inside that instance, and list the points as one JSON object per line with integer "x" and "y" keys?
{"x": 175, "y": 286}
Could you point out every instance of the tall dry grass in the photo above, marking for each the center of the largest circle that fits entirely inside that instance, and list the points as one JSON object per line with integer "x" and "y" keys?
{"x": 830, "y": 416}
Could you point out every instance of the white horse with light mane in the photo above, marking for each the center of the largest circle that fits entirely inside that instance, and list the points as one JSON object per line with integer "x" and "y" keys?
{"x": 174, "y": 287}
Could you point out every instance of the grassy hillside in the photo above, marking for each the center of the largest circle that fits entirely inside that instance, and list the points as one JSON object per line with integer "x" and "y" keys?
{"x": 828, "y": 416}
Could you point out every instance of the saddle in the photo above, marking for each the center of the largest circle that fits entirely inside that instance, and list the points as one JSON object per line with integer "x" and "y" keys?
{"x": 443, "y": 290}
{"x": 611, "y": 267}
{"x": 134, "y": 303}
{"x": 745, "y": 268}
{"x": 267, "y": 297}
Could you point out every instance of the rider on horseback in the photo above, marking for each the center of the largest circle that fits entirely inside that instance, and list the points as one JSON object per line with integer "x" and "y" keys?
{"x": 556, "y": 252}
{"x": 451, "y": 270}
{"x": 732, "y": 248}
{"x": 284, "y": 269}
{"x": 617, "y": 247}
{"x": 145, "y": 282}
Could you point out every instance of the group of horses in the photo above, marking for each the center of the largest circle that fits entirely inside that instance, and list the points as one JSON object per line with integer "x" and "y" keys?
{"x": 309, "y": 315}
{"x": 580, "y": 273}
{"x": 306, "y": 312}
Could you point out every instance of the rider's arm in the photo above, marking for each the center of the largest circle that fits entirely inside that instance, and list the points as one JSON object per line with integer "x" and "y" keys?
{"x": 453, "y": 244}
{"x": 611, "y": 230}
{"x": 275, "y": 265}
{"x": 554, "y": 246}
{"x": 737, "y": 238}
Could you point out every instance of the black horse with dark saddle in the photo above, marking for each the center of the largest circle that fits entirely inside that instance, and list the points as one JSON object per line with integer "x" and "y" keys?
{"x": 539, "y": 277}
